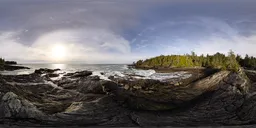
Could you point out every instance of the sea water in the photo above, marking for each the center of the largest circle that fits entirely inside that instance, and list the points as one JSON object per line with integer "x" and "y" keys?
{"x": 102, "y": 70}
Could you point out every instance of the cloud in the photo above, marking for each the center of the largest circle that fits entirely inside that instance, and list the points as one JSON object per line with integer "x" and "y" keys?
{"x": 204, "y": 35}
{"x": 88, "y": 45}
{"x": 91, "y": 31}
{"x": 10, "y": 48}
{"x": 120, "y": 31}
{"x": 239, "y": 44}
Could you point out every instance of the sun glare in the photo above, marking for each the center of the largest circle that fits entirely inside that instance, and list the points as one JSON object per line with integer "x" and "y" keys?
{"x": 58, "y": 52}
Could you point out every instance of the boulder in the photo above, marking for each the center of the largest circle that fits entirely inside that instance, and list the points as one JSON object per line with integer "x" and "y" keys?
{"x": 82, "y": 74}
{"x": 69, "y": 74}
{"x": 53, "y": 75}
{"x": 46, "y": 71}
{"x": 94, "y": 78}
{"x": 13, "y": 106}
{"x": 79, "y": 74}
{"x": 85, "y": 85}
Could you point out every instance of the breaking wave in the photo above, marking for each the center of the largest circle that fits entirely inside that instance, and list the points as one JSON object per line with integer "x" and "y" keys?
{"x": 104, "y": 71}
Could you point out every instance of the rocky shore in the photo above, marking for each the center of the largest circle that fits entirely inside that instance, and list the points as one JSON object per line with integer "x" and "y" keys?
{"x": 79, "y": 99}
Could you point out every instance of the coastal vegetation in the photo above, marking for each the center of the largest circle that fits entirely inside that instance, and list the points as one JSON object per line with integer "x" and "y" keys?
{"x": 221, "y": 61}
{"x": 247, "y": 62}
{"x": 11, "y": 62}
{"x": 10, "y": 65}
{"x": 2, "y": 63}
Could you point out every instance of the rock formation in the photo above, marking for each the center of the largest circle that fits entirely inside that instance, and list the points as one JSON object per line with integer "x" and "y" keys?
{"x": 79, "y": 99}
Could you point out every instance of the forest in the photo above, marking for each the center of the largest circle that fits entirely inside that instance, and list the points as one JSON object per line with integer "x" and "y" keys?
{"x": 230, "y": 61}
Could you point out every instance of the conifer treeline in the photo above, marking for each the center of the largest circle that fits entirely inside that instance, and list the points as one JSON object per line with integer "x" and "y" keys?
{"x": 219, "y": 61}
{"x": 248, "y": 62}
{"x": 2, "y": 61}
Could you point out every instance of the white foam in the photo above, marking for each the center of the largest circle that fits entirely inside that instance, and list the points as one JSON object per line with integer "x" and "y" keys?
{"x": 138, "y": 72}
{"x": 53, "y": 85}
{"x": 141, "y": 74}
{"x": 164, "y": 76}
{"x": 98, "y": 73}
{"x": 109, "y": 70}
{"x": 125, "y": 67}
{"x": 23, "y": 73}
{"x": 145, "y": 72}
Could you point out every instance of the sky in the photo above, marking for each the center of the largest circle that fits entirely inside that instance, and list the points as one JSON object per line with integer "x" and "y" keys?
{"x": 123, "y": 31}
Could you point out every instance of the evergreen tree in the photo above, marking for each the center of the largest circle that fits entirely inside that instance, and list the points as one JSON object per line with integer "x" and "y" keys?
{"x": 2, "y": 61}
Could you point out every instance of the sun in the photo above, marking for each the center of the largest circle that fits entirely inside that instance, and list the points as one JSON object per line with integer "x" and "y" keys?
{"x": 58, "y": 52}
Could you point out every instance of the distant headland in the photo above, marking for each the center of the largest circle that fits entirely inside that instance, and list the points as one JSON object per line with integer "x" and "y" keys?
{"x": 230, "y": 62}
{"x": 10, "y": 65}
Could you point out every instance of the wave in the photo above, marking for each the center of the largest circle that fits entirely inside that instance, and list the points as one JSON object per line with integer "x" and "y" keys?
{"x": 99, "y": 73}
{"x": 164, "y": 76}
{"x": 105, "y": 71}
{"x": 141, "y": 74}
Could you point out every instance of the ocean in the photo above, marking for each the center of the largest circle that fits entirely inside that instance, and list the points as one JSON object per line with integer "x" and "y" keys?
{"x": 102, "y": 70}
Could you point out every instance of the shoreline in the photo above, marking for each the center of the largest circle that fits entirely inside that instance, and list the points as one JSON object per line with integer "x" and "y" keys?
{"x": 79, "y": 98}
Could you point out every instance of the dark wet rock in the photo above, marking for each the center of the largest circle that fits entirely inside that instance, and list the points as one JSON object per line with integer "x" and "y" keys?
{"x": 14, "y": 67}
{"x": 46, "y": 71}
{"x": 251, "y": 75}
{"x": 131, "y": 66}
{"x": 84, "y": 85}
{"x": 30, "y": 78}
{"x": 63, "y": 80}
{"x": 109, "y": 86}
{"x": 79, "y": 74}
{"x": 82, "y": 74}
{"x": 94, "y": 77}
{"x": 53, "y": 75}
{"x": 111, "y": 77}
